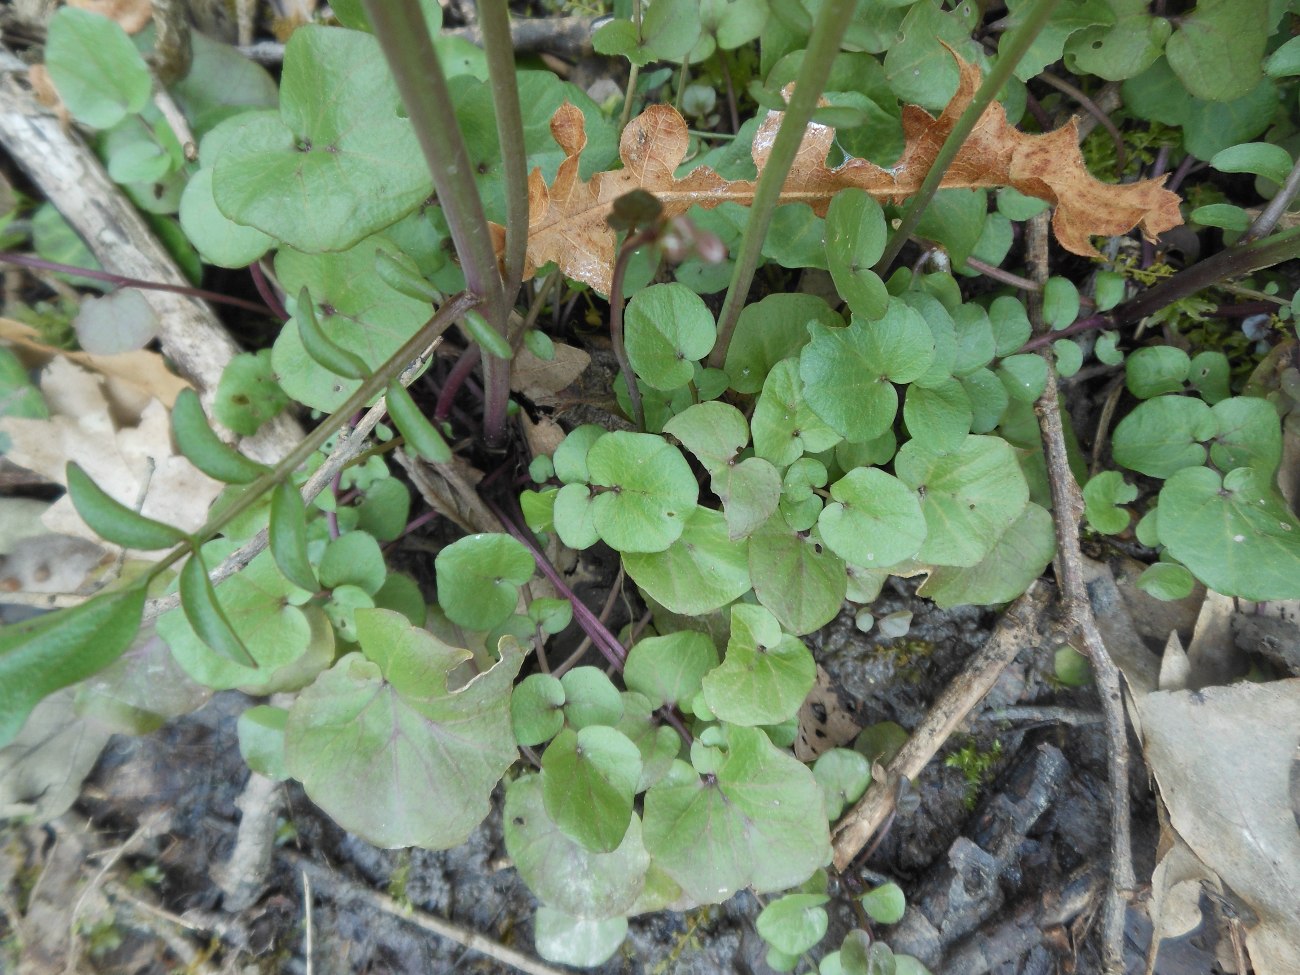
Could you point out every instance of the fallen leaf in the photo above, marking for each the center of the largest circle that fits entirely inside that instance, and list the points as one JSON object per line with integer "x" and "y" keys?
{"x": 567, "y": 218}
{"x": 121, "y": 321}
{"x": 132, "y": 15}
{"x": 541, "y": 379}
{"x": 828, "y": 718}
{"x": 42, "y": 770}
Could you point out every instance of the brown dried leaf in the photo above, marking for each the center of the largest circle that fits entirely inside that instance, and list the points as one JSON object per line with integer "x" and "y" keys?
{"x": 828, "y": 718}
{"x": 132, "y": 15}
{"x": 567, "y": 219}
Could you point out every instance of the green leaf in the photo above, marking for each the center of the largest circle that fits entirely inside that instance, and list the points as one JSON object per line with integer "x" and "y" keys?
{"x": 320, "y": 347}
{"x": 570, "y": 457}
{"x": 1060, "y": 302}
{"x": 400, "y": 273}
{"x": 844, "y": 775}
{"x": 390, "y": 754}
{"x": 658, "y": 743}
{"x": 714, "y": 432}
{"x": 288, "y": 536}
{"x": 765, "y": 675}
{"x": 355, "y": 559}
{"x": 1226, "y": 216}
{"x": 219, "y": 239}
{"x": 588, "y": 782}
{"x": 940, "y": 414}
{"x": 1285, "y": 61}
{"x": 1047, "y": 47}
{"x": 384, "y": 509}
{"x": 1024, "y": 376}
{"x": 760, "y": 821}
{"x": 1014, "y": 205}
{"x": 1217, "y": 49}
{"x": 478, "y": 579}
{"x": 38, "y": 656}
{"x": 750, "y": 492}
{"x": 590, "y": 698}
{"x": 248, "y": 394}
{"x": 1102, "y": 497}
{"x": 1108, "y": 288}
{"x": 1011, "y": 328}
{"x": 98, "y": 72}
{"x": 1166, "y": 581}
{"x": 205, "y": 614}
{"x": 974, "y": 334}
{"x": 551, "y": 615}
{"x": 1248, "y": 434}
{"x": 261, "y": 740}
{"x": 1071, "y": 667}
{"x": 1068, "y": 356}
{"x": 848, "y": 373}
{"x": 564, "y": 874}
{"x": 668, "y": 327}
{"x": 955, "y": 219}
{"x": 1121, "y": 49}
{"x": 1018, "y": 557}
{"x": 339, "y": 163}
{"x": 769, "y": 331}
{"x": 574, "y": 941}
{"x": 1209, "y": 127}
{"x": 537, "y": 709}
{"x": 204, "y": 449}
{"x": 797, "y": 577}
{"x": 573, "y": 516}
{"x": 796, "y": 237}
{"x": 669, "y": 29}
{"x": 643, "y": 491}
{"x": 115, "y": 522}
{"x": 1265, "y": 159}
{"x": 702, "y": 570}
{"x": 488, "y": 339}
{"x": 784, "y": 424}
{"x": 885, "y": 903}
{"x": 855, "y": 239}
{"x": 416, "y": 429}
{"x": 1106, "y": 349}
{"x": 874, "y": 521}
{"x": 794, "y": 923}
{"x": 668, "y": 669}
{"x": 918, "y": 68}
{"x": 402, "y": 594}
{"x": 1162, "y": 435}
{"x": 988, "y": 399}
{"x": 969, "y": 497}
{"x": 1208, "y": 374}
{"x": 1235, "y": 534}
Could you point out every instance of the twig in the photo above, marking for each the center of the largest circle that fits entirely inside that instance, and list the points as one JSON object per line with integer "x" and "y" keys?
{"x": 1017, "y": 630}
{"x": 307, "y": 938}
{"x": 998, "y": 274}
{"x": 1044, "y": 713}
{"x": 242, "y": 877}
{"x": 1067, "y": 502}
{"x": 1271, "y": 214}
{"x": 332, "y": 884}
{"x": 1095, "y": 110}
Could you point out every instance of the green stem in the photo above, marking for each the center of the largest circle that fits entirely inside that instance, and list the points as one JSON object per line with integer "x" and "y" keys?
{"x": 374, "y": 384}
{"x": 494, "y": 21}
{"x": 404, "y": 37}
{"x": 616, "y": 320}
{"x": 823, "y": 46}
{"x": 1017, "y": 43}
{"x": 633, "y": 73}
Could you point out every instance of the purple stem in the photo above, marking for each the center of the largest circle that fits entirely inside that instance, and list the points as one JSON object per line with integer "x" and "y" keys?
{"x": 268, "y": 294}
{"x": 455, "y": 379}
{"x": 1180, "y": 173}
{"x": 24, "y": 260}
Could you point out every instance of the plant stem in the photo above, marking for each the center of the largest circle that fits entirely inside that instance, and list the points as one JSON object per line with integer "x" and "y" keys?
{"x": 39, "y": 264}
{"x": 616, "y": 319}
{"x": 632, "y": 74}
{"x": 824, "y": 44}
{"x": 1272, "y": 213}
{"x": 494, "y": 21}
{"x": 400, "y": 28}
{"x": 455, "y": 380}
{"x": 1017, "y": 44}
{"x": 374, "y": 384}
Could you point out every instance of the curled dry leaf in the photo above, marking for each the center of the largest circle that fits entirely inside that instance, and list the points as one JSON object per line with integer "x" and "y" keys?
{"x": 567, "y": 219}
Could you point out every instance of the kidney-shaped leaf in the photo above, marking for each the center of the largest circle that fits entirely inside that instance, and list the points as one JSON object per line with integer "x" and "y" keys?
{"x": 479, "y": 578}
{"x": 644, "y": 491}
{"x": 388, "y": 752}
{"x": 766, "y": 673}
{"x": 874, "y": 521}
{"x": 668, "y": 328}
{"x": 701, "y": 571}
{"x": 589, "y": 780}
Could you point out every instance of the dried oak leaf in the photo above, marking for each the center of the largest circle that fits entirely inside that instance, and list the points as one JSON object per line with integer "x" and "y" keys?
{"x": 567, "y": 219}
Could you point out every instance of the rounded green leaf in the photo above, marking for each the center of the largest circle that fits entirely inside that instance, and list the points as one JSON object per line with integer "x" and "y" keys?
{"x": 1108, "y": 289}
{"x": 844, "y": 775}
{"x": 1024, "y": 376}
{"x": 750, "y": 492}
{"x": 248, "y": 394}
{"x": 261, "y": 740}
{"x": 113, "y": 521}
{"x": 537, "y": 709}
{"x": 848, "y": 373}
{"x": 574, "y": 941}
{"x": 98, "y": 72}
{"x": 390, "y": 754}
{"x": 874, "y": 521}
{"x": 1167, "y": 581}
{"x": 1285, "y": 61}
{"x": 668, "y": 327}
{"x": 1225, "y": 216}
{"x": 1121, "y": 48}
{"x": 795, "y": 576}
{"x": 204, "y": 449}
{"x": 1102, "y": 497}
{"x": 1156, "y": 369}
{"x": 1068, "y": 355}
{"x": 1162, "y": 435}
{"x": 885, "y": 903}
{"x": 784, "y": 425}
{"x": 590, "y": 698}
{"x": 588, "y": 782}
{"x": 988, "y": 399}
{"x": 659, "y": 743}
{"x": 288, "y": 536}
{"x": 703, "y": 570}
{"x": 572, "y": 514}
{"x": 770, "y": 330}
{"x": 974, "y": 334}
{"x": 1248, "y": 434}
{"x": 1010, "y": 322}
{"x": 384, "y": 510}
{"x": 566, "y": 875}
{"x": 1235, "y": 534}
{"x": 570, "y": 457}
{"x": 339, "y": 163}
{"x": 219, "y": 239}
{"x": 1017, "y": 558}
{"x": 1217, "y": 49}
{"x": 478, "y": 579}
{"x": 38, "y": 656}
{"x": 355, "y": 559}
{"x": 969, "y": 496}
{"x": 794, "y": 923}
{"x": 1060, "y": 302}
{"x": 940, "y": 414}
{"x": 644, "y": 491}
{"x": 668, "y": 669}
{"x": 765, "y": 675}
{"x": 1208, "y": 375}
{"x": 714, "y": 432}
{"x": 855, "y": 239}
